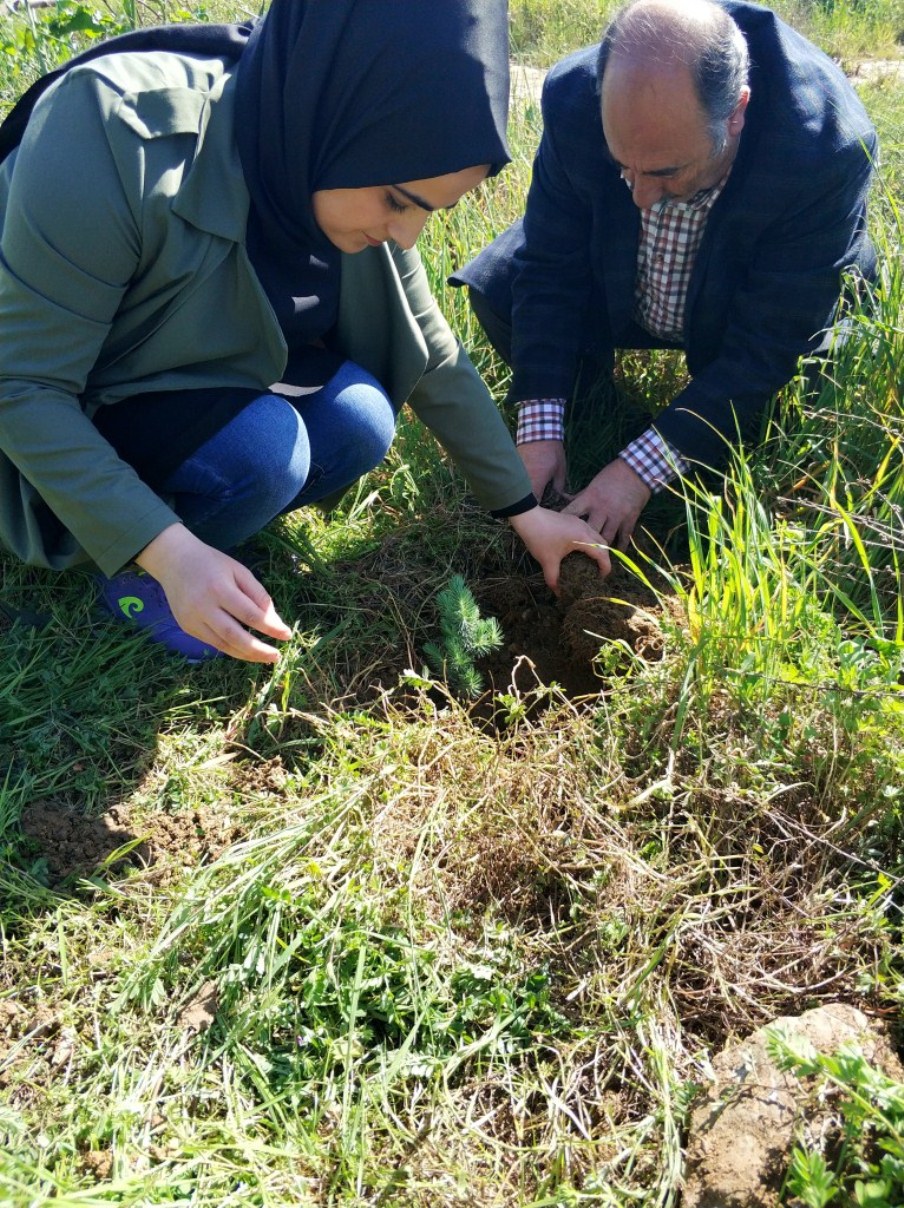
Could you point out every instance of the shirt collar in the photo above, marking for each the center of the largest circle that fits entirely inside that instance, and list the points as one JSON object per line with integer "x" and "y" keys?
{"x": 704, "y": 199}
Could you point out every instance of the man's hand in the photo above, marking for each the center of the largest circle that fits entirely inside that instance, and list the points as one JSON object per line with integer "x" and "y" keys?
{"x": 551, "y": 535}
{"x": 612, "y": 503}
{"x": 544, "y": 461}
{"x": 212, "y": 596}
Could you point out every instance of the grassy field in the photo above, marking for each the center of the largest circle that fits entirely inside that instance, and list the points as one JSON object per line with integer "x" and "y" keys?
{"x": 330, "y": 934}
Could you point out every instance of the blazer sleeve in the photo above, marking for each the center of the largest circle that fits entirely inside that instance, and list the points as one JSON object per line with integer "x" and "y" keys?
{"x": 68, "y": 250}
{"x": 453, "y": 402}
{"x": 781, "y": 311}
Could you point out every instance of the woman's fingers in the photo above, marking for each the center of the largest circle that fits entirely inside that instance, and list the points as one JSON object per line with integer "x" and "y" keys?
{"x": 254, "y": 606}
{"x": 213, "y": 597}
{"x": 224, "y": 632}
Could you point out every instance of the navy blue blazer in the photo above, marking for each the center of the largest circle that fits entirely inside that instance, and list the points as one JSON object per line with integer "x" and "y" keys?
{"x": 767, "y": 277}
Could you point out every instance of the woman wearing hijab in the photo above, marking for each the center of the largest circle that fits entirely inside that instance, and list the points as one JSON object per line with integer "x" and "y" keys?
{"x": 192, "y": 214}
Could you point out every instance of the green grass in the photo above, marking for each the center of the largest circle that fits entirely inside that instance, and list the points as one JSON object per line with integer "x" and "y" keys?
{"x": 343, "y": 939}
{"x": 544, "y": 30}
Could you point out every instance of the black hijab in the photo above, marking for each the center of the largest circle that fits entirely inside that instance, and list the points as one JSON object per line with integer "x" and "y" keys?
{"x": 345, "y": 94}
{"x": 338, "y": 94}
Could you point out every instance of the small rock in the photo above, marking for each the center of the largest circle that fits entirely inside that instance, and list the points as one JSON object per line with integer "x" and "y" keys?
{"x": 200, "y": 1013}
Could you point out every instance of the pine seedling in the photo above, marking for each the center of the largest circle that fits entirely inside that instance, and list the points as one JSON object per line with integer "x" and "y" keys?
{"x": 466, "y": 636}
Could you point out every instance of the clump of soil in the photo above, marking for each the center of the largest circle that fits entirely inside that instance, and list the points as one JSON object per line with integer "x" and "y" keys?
{"x": 558, "y": 640}
{"x": 534, "y": 650}
{"x": 741, "y": 1136}
{"x": 618, "y": 608}
{"x": 98, "y": 1162}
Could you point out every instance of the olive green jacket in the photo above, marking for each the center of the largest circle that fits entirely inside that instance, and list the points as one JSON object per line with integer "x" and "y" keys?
{"x": 123, "y": 270}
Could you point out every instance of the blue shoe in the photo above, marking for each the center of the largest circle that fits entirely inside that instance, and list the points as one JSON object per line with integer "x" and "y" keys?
{"x": 135, "y": 596}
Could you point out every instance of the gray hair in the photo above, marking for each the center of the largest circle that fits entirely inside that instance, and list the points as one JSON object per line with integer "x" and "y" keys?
{"x": 696, "y": 33}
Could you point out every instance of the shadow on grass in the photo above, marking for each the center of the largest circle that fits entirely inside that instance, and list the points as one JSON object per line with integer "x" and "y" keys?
{"x": 83, "y": 707}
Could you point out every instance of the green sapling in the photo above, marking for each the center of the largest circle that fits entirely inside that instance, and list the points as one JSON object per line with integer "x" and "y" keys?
{"x": 466, "y": 635}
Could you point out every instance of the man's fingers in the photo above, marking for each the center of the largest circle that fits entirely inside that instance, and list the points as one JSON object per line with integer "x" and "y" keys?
{"x": 624, "y": 535}
{"x": 581, "y": 507}
{"x": 575, "y": 508}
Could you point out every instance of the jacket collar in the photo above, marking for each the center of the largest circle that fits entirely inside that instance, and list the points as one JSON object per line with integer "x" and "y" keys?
{"x": 213, "y": 196}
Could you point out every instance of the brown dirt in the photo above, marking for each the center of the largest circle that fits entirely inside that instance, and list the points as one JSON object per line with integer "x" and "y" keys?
{"x": 545, "y": 638}
{"x": 162, "y": 843}
{"x": 99, "y": 1163}
{"x": 558, "y": 640}
{"x": 742, "y": 1134}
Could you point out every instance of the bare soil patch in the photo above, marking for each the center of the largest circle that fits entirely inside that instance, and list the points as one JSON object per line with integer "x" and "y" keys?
{"x": 164, "y": 844}
{"x": 546, "y": 640}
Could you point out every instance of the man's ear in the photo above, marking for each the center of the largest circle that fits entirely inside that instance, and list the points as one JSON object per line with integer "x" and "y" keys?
{"x": 736, "y": 120}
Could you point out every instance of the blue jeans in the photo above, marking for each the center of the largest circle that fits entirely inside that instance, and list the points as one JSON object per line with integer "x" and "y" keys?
{"x": 276, "y": 456}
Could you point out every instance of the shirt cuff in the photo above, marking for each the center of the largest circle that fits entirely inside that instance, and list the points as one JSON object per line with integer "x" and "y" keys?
{"x": 540, "y": 419}
{"x": 655, "y": 461}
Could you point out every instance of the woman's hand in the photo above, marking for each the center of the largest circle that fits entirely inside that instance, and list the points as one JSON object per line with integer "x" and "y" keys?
{"x": 212, "y": 596}
{"x": 551, "y": 535}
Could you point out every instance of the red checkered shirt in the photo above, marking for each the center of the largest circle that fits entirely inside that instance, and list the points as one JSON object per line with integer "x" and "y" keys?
{"x": 669, "y": 240}
{"x": 670, "y": 235}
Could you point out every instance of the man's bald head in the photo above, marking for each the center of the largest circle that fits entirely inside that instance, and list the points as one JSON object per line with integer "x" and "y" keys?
{"x": 670, "y": 37}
